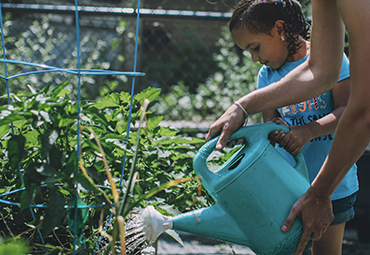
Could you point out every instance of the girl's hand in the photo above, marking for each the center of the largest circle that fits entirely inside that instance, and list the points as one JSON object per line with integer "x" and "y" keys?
{"x": 294, "y": 140}
{"x": 277, "y": 136}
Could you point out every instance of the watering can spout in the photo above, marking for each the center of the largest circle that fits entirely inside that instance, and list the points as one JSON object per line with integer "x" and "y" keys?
{"x": 155, "y": 223}
{"x": 203, "y": 222}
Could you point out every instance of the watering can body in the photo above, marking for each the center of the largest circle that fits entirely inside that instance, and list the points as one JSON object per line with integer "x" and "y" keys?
{"x": 253, "y": 192}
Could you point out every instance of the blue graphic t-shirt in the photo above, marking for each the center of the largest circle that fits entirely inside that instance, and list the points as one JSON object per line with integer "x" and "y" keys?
{"x": 316, "y": 150}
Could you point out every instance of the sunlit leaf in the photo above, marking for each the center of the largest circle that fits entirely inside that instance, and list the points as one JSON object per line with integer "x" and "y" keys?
{"x": 150, "y": 93}
{"x": 153, "y": 122}
{"x": 6, "y": 118}
{"x": 60, "y": 90}
{"x": 125, "y": 97}
{"x": 111, "y": 100}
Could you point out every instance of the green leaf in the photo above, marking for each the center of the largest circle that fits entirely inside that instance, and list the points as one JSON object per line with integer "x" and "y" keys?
{"x": 187, "y": 140}
{"x": 71, "y": 165}
{"x": 31, "y": 136}
{"x": 46, "y": 170}
{"x": 125, "y": 97}
{"x": 28, "y": 195}
{"x": 33, "y": 177}
{"x": 96, "y": 175}
{"x": 7, "y": 119}
{"x": 46, "y": 88}
{"x": 15, "y": 150}
{"x": 14, "y": 248}
{"x": 150, "y": 93}
{"x": 53, "y": 213}
{"x": 165, "y": 131}
{"x": 64, "y": 122}
{"x": 153, "y": 122}
{"x": 85, "y": 183}
{"x": 60, "y": 90}
{"x": 111, "y": 100}
{"x": 55, "y": 158}
{"x": 3, "y": 130}
{"x": 48, "y": 139}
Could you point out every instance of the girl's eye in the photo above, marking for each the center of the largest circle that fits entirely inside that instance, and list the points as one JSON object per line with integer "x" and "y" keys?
{"x": 257, "y": 48}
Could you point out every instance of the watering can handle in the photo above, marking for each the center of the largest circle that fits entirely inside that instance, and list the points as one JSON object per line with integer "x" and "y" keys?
{"x": 264, "y": 129}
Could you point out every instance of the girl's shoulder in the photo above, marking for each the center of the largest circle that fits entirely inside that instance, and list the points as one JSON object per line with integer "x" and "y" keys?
{"x": 265, "y": 71}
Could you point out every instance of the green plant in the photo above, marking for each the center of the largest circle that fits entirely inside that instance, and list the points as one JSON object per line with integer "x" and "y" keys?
{"x": 11, "y": 247}
{"x": 44, "y": 147}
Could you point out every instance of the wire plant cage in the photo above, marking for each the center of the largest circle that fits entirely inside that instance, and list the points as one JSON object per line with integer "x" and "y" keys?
{"x": 78, "y": 73}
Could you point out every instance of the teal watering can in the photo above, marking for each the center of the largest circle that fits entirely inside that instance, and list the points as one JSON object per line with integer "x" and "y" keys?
{"x": 253, "y": 193}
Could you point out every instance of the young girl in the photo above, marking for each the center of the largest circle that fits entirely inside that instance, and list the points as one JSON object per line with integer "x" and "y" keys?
{"x": 275, "y": 33}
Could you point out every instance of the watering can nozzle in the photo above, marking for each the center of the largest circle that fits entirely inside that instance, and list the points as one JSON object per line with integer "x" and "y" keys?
{"x": 155, "y": 223}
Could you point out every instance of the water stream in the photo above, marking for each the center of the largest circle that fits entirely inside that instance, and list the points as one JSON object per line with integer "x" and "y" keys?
{"x": 135, "y": 238}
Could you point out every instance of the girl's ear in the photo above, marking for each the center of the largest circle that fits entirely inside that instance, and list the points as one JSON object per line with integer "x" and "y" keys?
{"x": 279, "y": 26}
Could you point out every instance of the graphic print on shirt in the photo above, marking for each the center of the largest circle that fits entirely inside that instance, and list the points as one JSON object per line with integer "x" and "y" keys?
{"x": 306, "y": 112}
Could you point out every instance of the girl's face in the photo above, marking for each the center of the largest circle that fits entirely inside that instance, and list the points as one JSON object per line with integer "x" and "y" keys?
{"x": 269, "y": 50}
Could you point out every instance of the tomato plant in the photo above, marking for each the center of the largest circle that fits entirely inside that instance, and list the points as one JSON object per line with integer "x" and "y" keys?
{"x": 39, "y": 138}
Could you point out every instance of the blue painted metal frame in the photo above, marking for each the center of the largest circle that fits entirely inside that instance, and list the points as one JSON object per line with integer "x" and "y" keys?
{"x": 78, "y": 72}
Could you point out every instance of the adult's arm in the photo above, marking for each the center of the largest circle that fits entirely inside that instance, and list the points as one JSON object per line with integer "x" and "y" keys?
{"x": 353, "y": 131}
{"x": 315, "y": 76}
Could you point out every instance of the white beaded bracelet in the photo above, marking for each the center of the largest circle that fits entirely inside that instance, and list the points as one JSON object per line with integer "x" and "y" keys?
{"x": 237, "y": 104}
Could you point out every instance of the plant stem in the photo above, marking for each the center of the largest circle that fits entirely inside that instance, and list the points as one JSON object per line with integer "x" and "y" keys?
{"x": 143, "y": 109}
{"x": 6, "y": 225}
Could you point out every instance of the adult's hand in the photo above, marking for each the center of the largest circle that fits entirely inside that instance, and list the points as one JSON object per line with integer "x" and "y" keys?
{"x": 226, "y": 125}
{"x": 316, "y": 214}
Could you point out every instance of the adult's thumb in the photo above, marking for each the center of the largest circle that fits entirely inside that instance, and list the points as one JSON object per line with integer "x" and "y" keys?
{"x": 288, "y": 223}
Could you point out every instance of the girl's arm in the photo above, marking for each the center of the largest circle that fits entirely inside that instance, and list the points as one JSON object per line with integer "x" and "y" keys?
{"x": 299, "y": 136}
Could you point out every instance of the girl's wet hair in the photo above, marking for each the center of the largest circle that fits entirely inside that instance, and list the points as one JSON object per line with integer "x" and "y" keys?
{"x": 260, "y": 17}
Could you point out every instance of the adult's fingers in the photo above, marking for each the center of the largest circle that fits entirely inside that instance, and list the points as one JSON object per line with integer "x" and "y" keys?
{"x": 224, "y": 137}
{"x": 288, "y": 223}
{"x": 303, "y": 242}
{"x": 214, "y": 130}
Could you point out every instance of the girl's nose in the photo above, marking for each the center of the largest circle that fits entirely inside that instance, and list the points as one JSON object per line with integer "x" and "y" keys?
{"x": 255, "y": 57}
